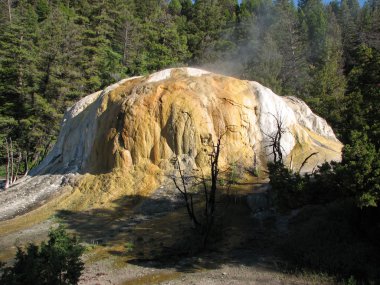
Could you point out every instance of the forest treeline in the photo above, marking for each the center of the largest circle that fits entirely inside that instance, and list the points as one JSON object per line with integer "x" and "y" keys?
{"x": 53, "y": 53}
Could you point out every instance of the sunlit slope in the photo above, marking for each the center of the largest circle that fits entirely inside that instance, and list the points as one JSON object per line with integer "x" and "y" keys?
{"x": 123, "y": 140}
{"x": 181, "y": 112}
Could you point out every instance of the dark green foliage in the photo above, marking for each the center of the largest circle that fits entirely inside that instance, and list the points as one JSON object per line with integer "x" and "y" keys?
{"x": 52, "y": 53}
{"x": 55, "y": 262}
{"x": 363, "y": 96}
{"x": 288, "y": 187}
{"x": 337, "y": 229}
{"x": 289, "y": 37}
{"x": 333, "y": 239}
{"x": 359, "y": 172}
{"x": 356, "y": 177}
{"x": 210, "y": 27}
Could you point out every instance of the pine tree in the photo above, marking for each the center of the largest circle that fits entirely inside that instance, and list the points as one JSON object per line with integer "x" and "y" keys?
{"x": 328, "y": 85}
{"x": 54, "y": 262}
{"x": 259, "y": 50}
{"x": 18, "y": 74}
{"x": 313, "y": 16}
{"x": 266, "y": 64}
{"x": 287, "y": 34}
{"x": 212, "y": 24}
{"x": 101, "y": 63}
{"x": 370, "y": 24}
{"x": 156, "y": 41}
{"x": 363, "y": 94}
{"x": 60, "y": 58}
{"x": 348, "y": 18}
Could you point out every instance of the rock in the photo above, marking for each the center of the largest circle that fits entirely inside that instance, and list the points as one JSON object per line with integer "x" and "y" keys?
{"x": 182, "y": 112}
{"x": 259, "y": 202}
{"x": 134, "y": 131}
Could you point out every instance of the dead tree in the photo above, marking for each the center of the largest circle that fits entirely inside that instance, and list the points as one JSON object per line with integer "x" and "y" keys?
{"x": 187, "y": 197}
{"x": 205, "y": 223}
{"x": 305, "y": 161}
{"x": 7, "y": 176}
{"x": 26, "y": 166}
{"x": 7, "y": 9}
{"x": 274, "y": 140}
{"x": 17, "y": 168}
{"x": 210, "y": 197}
{"x": 13, "y": 165}
{"x": 275, "y": 144}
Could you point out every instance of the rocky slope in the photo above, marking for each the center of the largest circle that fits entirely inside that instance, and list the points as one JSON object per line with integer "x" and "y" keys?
{"x": 138, "y": 125}
{"x": 182, "y": 112}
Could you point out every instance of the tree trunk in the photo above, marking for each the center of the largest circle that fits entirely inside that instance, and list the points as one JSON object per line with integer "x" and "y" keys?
{"x": 7, "y": 167}
{"x": 12, "y": 166}
{"x": 126, "y": 44}
{"x": 26, "y": 164}
{"x": 9, "y": 4}
{"x": 18, "y": 163}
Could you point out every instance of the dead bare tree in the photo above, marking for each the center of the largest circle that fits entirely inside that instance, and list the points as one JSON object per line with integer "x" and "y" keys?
{"x": 26, "y": 166}
{"x": 305, "y": 161}
{"x": 7, "y": 166}
{"x": 13, "y": 165}
{"x": 11, "y": 157}
{"x": 17, "y": 168}
{"x": 210, "y": 197}
{"x": 275, "y": 144}
{"x": 186, "y": 195}
{"x": 275, "y": 140}
{"x": 7, "y": 9}
{"x": 205, "y": 223}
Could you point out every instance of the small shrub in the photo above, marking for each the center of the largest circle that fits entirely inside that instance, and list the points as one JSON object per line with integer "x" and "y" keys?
{"x": 129, "y": 246}
{"x": 351, "y": 281}
{"x": 256, "y": 172}
{"x": 55, "y": 262}
{"x": 291, "y": 190}
{"x": 288, "y": 188}
{"x": 329, "y": 238}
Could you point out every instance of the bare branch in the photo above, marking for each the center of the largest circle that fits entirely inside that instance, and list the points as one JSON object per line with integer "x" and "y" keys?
{"x": 306, "y": 159}
{"x": 177, "y": 186}
{"x": 18, "y": 162}
{"x": 275, "y": 139}
{"x": 185, "y": 194}
{"x": 205, "y": 224}
{"x": 26, "y": 164}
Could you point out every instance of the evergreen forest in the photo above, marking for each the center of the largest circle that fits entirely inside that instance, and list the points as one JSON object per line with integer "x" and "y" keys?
{"x": 55, "y": 52}
{"x": 52, "y": 53}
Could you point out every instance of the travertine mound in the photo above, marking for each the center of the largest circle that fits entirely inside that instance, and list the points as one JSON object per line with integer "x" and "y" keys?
{"x": 181, "y": 112}
{"x": 122, "y": 140}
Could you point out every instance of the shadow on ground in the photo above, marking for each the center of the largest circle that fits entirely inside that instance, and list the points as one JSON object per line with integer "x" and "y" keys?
{"x": 157, "y": 233}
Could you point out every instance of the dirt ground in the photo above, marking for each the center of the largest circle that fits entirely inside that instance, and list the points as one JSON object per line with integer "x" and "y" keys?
{"x": 149, "y": 241}
{"x": 199, "y": 270}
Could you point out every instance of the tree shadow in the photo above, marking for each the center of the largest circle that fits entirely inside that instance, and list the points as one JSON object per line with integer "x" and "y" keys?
{"x": 107, "y": 225}
{"x": 157, "y": 233}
